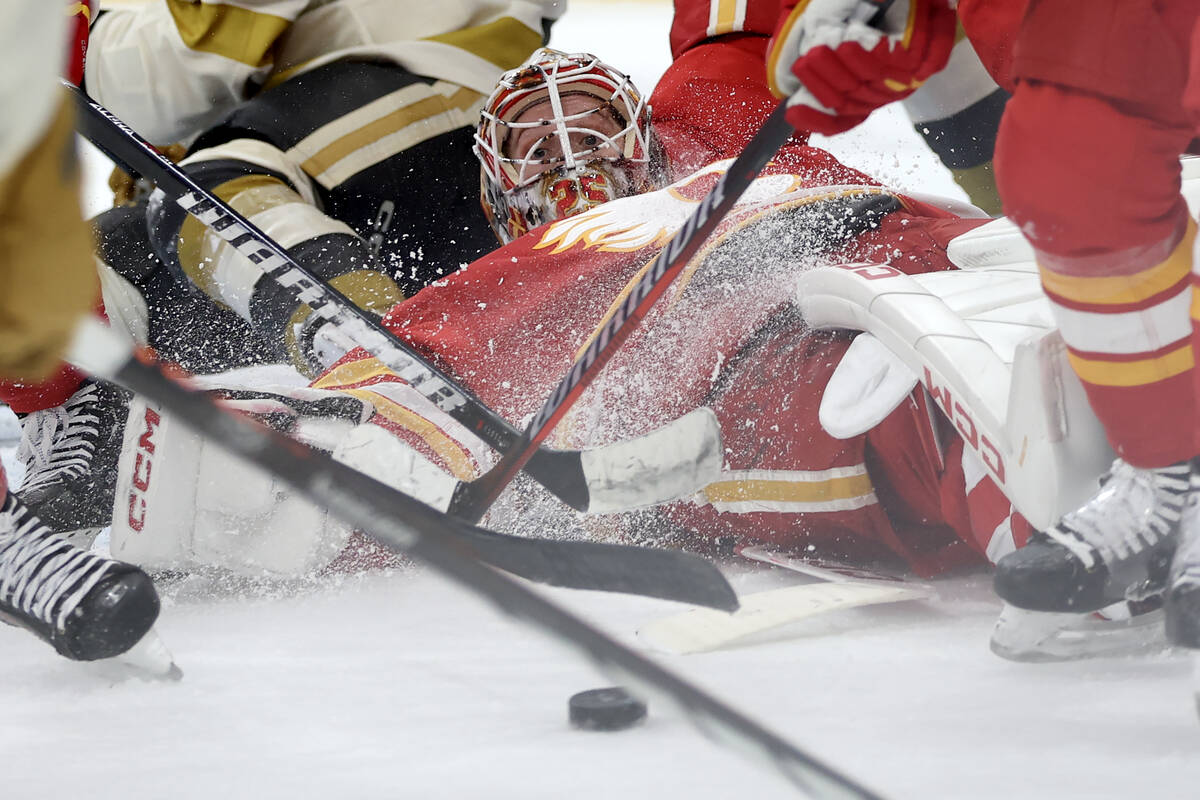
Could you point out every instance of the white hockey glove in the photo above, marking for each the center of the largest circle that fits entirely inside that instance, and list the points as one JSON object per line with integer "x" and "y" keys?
{"x": 839, "y": 60}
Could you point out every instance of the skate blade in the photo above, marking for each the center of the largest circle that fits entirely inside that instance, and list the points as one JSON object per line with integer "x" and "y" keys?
{"x": 148, "y": 660}
{"x": 1034, "y": 637}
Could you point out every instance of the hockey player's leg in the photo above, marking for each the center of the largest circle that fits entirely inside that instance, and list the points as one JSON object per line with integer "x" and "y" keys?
{"x": 366, "y": 210}
{"x": 86, "y": 606}
{"x": 182, "y": 504}
{"x": 70, "y": 457}
{"x": 1117, "y": 276}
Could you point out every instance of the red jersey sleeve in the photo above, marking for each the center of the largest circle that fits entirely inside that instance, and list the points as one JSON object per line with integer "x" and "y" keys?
{"x": 697, "y": 21}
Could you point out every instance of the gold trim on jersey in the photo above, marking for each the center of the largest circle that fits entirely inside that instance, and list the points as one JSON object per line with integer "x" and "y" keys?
{"x": 1125, "y": 289}
{"x": 792, "y": 491}
{"x": 505, "y": 42}
{"x": 458, "y": 460}
{"x": 382, "y": 128}
{"x": 726, "y": 16}
{"x": 238, "y": 34}
{"x": 1133, "y": 373}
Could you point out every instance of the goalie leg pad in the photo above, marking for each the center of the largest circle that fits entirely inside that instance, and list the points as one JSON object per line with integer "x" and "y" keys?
{"x": 183, "y": 503}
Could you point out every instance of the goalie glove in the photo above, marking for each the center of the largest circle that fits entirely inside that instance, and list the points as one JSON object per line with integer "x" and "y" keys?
{"x": 838, "y": 60}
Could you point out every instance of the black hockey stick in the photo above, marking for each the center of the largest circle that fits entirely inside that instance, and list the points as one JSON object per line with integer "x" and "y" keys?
{"x": 562, "y": 472}
{"x": 404, "y": 524}
{"x": 571, "y": 564}
{"x": 471, "y": 500}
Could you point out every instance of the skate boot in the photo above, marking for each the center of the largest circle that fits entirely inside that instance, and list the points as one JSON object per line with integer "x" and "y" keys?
{"x": 70, "y": 455}
{"x": 1116, "y": 547}
{"x": 1183, "y": 585}
{"x": 86, "y": 606}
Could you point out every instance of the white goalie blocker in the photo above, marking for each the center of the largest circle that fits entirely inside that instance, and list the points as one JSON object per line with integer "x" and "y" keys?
{"x": 983, "y": 343}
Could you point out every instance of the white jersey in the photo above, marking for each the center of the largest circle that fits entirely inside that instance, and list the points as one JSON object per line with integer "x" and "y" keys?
{"x": 172, "y": 68}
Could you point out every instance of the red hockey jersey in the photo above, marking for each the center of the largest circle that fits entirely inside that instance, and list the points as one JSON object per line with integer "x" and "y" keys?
{"x": 726, "y": 336}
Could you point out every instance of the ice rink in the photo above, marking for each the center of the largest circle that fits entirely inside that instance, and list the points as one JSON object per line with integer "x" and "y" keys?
{"x": 399, "y": 686}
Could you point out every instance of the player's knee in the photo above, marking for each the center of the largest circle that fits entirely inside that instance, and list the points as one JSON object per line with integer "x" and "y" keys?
{"x": 1078, "y": 174}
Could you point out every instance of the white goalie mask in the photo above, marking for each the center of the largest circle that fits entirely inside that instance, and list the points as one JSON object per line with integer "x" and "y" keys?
{"x": 559, "y": 135}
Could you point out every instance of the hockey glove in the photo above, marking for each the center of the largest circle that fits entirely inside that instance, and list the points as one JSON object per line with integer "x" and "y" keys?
{"x": 836, "y": 62}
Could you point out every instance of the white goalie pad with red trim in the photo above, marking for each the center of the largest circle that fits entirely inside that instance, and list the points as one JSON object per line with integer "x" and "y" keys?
{"x": 183, "y": 502}
{"x": 983, "y": 343}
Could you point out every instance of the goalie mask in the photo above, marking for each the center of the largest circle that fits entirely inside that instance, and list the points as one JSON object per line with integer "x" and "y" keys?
{"x": 559, "y": 135}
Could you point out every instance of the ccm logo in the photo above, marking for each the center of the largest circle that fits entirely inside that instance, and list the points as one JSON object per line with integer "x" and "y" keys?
{"x": 143, "y": 461}
{"x": 961, "y": 417}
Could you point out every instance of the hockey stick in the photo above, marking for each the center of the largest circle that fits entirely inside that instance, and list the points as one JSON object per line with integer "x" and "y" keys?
{"x": 472, "y": 500}
{"x": 407, "y": 525}
{"x": 649, "y": 572}
{"x": 567, "y": 474}
{"x": 700, "y": 630}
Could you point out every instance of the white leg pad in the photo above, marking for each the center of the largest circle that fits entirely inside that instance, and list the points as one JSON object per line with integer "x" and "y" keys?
{"x": 182, "y": 503}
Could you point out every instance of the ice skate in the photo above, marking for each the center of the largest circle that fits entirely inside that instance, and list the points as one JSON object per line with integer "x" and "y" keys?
{"x": 70, "y": 456}
{"x": 1116, "y": 547}
{"x": 1122, "y": 629}
{"x": 1183, "y": 585}
{"x": 86, "y": 606}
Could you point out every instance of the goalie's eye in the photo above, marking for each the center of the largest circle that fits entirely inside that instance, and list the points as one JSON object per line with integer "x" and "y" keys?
{"x": 591, "y": 141}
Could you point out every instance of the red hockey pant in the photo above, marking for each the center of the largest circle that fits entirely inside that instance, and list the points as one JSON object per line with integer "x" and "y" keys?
{"x": 1087, "y": 163}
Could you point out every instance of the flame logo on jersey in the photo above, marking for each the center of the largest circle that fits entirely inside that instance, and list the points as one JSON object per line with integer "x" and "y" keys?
{"x": 652, "y": 219}
{"x": 632, "y": 224}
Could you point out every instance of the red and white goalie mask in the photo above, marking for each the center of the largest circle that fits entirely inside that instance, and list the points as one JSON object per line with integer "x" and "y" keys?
{"x": 559, "y": 135}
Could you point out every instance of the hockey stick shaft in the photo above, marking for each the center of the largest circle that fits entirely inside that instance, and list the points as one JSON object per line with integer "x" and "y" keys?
{"x": 475, "y": 498}
{"x": 407, "y": 525}
{"x": 557, "y": 470}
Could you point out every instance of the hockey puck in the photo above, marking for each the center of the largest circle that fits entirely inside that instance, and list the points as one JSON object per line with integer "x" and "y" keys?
{"x": 609, "y": 709}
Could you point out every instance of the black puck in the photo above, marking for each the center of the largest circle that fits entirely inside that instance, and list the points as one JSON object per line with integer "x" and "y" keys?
{"x": 610, "y": 709}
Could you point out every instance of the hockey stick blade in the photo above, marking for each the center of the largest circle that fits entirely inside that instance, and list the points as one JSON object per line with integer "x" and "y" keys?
{"x": 665, "y": 574}
{"x": 407, "y": 525}
{"x": 700, "y": 630}
{"x": 475, "y": 498}
{"x": 561, "y": 472}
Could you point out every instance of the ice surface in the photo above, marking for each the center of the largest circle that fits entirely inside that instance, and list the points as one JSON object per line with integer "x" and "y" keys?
{"x": 397, "y": 685}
